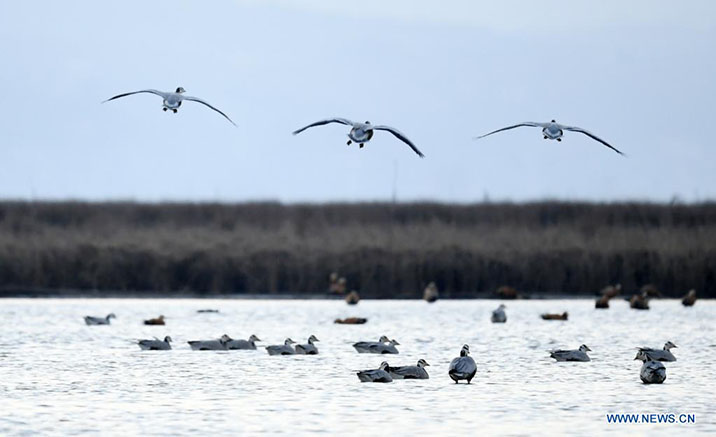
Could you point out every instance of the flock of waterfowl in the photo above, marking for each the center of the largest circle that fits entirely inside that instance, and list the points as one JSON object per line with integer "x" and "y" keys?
{"x": 361, "y": 133}
{"x": 462, "y": 368}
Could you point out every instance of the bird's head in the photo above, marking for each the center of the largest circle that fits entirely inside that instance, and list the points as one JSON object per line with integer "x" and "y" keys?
{"x": 584, "y": 348}
{"x": 422, "y": 363}
{"x": 383, "y": 339}
{"x": 554, "y": 121}
{"x": 289, "y": 342}
{"x": 254, "y": 338}
{"x": 312, "y": 338}
{"x": 465, "y": 351}
{"x": 669, "y": 345}
{"x": 367, "y": 122}
{"x": 167, "y": 339}
{"x": 182, "y": 90}
{"x": 641, "y": 355}
{"x": 384, "y": 365}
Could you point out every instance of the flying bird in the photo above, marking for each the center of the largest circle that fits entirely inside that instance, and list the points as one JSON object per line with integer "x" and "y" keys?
{"x": 553, "y": 131}
{"x": 361, "y": 133}
{"x": 172, "y": 101}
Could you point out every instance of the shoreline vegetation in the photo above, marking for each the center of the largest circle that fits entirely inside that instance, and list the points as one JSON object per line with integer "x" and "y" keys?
{"x": 384, "y": 250}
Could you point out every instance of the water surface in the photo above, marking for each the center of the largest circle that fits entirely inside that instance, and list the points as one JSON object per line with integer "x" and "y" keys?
{"x": 60, "y": 377}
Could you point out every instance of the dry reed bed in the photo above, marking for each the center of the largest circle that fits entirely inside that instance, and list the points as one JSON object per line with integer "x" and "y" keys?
{"x": 384, "y": 250}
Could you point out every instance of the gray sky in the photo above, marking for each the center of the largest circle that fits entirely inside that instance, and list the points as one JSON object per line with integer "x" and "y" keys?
{"x": 640, "y": 74}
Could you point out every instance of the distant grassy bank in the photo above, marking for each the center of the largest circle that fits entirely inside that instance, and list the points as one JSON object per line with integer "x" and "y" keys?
{"x": 384, "y": 250}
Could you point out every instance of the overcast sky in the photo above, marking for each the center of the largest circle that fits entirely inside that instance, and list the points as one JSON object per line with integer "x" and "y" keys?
{"x": 640, "y": 74}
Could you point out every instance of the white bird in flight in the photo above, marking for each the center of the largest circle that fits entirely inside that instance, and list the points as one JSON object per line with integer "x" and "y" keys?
{"x": 172, "y": 101}
{"x": 361, "y": 133}
{"x": 553, "y": 131}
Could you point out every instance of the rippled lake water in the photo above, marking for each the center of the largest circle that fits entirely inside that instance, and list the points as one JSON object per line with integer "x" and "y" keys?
{"x": 60, "y": 377}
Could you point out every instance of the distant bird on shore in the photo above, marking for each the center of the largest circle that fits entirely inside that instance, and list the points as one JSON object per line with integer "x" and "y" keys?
{"x": 171, "y": 101}
{"x": 336, "y": 284}
{"x": 249, "y": 344}
{"x": 498, "y": 315}
{"x": 361, "y": 133}
{"x": 507, "y": 292}
{"x": 548, "y": 316}
{"x": 210, "y": 345}
{"x": 351, "y": 321}
{"x": 553, "y": 131}
{"x": 431, "y": 294}
{"x": 155, "y": 321}
{"x": 571, "y": 355}
{"x": 308, "y": 349}
{"x": 652, "y": 371}
{"x": 385, "y": 348}
{"x": 462, "y": 367}
{"x": 690, "y": 299}
{"x": 352, "y": 298}
{"x": 156, "y": 344}
{"x": 410, "y": 372}
{"x": 91, "y": 321}
{"x": 283, "y": 349}
{"x": 377, "y": 375}
{"x": 650, "y": 290}
{"x": 661, "y": 354}
{"x": 611, "y": 291}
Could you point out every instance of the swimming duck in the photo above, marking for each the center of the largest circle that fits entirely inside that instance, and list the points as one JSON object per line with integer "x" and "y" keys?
{"x": 499, "y": 316}
{"x": 219, "y": 344}
{"x": 155, "y": 321}
{"x": 553, "y": 131}
{"x": 383, "y": 348}
{"x": 410, "y": 372}
{"x": 171, "y": 101}
{"x": 550, "y": 316}
{"x": 89, "y": 320}
{"x": 156, "y": 344}
{"x": 639, "y": 302}
{"x": 431, "y": 294}
{"x": 284, "y": 349}
{"x": 249, "y": 344}
{"x": 308, "y": 349}
{"x": 571, "y": 355}
{"x": 361, "y": 133}
{"x": 661, "y": 354}
{"x": 690, "y": 299}
{"x": 463, "y": 367}
{"x": 351, "y": 321}
{"x": 652, "y": 371}
{"x": 365, "y": 346}
{"x": 352, "y": 298}
{"x": 378, "y": 375}
{"x": 602, "y": 303}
